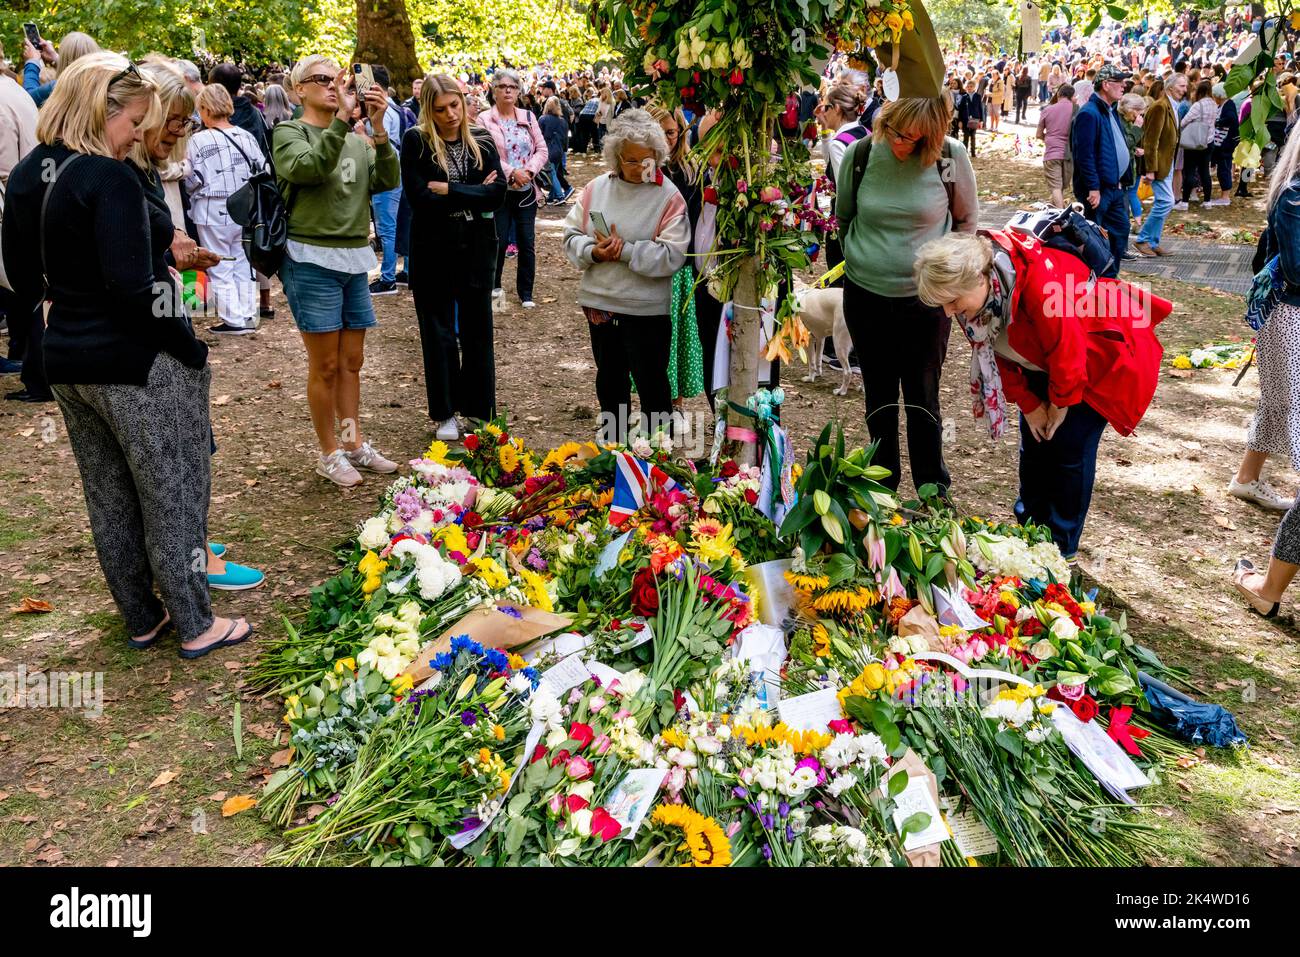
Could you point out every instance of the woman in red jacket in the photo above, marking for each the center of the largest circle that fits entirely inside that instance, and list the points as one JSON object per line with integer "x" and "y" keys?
{"x": 1073, "y": 352}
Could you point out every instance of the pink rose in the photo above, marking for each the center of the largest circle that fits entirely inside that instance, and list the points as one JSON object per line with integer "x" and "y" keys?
{"x": 579, "y": 768}
{"x": 770, "y": 194}
{"x": 601, "y": 743}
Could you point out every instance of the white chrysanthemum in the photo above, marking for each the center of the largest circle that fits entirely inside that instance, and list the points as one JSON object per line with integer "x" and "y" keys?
{"x": 871, "y": 748}
{"x": 841, "y": 752}
{"x": 374, "y": 533}
{"x": 839, "y": 785}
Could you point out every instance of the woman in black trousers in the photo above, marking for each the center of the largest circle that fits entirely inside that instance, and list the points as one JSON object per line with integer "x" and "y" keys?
{"x": 452, "y": 174}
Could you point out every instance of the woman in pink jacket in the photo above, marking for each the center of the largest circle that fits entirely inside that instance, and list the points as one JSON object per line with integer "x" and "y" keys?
{"x": 522, "y": 149}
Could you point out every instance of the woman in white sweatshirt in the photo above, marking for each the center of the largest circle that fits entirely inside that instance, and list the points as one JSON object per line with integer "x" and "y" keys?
{"x": 627, "y": 272}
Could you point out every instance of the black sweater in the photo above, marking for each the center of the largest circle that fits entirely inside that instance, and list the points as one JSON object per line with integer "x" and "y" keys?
{"x": 448, "y": 247}
{"x": 108, "y": 316}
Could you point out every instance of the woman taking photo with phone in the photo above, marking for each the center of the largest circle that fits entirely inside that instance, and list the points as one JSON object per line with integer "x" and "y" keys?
{"x": 130, "y": 377}
{"x": 327, "y": 174}
{"x": 451, "y": 175}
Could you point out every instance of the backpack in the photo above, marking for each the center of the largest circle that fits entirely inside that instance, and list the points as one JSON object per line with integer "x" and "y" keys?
{"x": 258, "y": 207}
{"x": 860, "y": 152}
{"x": 1069, "y": 231}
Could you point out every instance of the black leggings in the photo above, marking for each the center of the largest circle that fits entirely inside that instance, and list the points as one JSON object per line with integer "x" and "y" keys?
{"x": 1196, "y": 171}
{"x": 639, "y": 346}
{"x": 456, "y": 338}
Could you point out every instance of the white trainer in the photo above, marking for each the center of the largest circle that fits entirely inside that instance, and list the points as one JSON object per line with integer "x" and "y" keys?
{"x": 338, "y": 469}
{"x": 529, "y": 304}
{"x": 367, "y": 456}
{"x": 1260, "y": 493}
{"x": 448, "y": 430}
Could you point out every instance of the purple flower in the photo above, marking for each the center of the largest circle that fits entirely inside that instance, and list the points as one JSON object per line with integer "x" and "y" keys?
{"x": 789, "y": 834}
{"x": 783, "y": 809}
{"x": 767, "y": 821}
{"x": 469, "y": 824}
{"x": 767, "y": 853}
{"x": 512, "y": 612}
{"x": 753, "y": 806}
{"x": 740, "y": 792}
{"x": 467, "y": 718}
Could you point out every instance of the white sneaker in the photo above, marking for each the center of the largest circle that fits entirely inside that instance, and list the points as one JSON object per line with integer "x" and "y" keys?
{"x": 448, "y": 430}
{"x": 366, "y": 456}
{"x": 529, "y": 304}
{"x": 498, "y": 293}
{"x": 1181, "y": 207}
{"x": 1260, "y": 493}
{"x": 1219, "y": 202}
{"x": 338, "y": 469}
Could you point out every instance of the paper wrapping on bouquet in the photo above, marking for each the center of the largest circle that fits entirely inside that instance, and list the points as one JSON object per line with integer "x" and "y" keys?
{"x": 920, "y": 795}
{"x": 763, "y": 647}
{"x": 920, "y": 63}
{"x": 504, "y": 625}
{"x": 635, "y": 482}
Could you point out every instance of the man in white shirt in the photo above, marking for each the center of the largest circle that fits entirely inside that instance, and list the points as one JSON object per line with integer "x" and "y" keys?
{"x": 17, "y": 138}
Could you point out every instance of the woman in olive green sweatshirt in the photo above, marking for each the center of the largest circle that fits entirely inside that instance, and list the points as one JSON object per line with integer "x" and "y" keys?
{"x": 327, "y": 174}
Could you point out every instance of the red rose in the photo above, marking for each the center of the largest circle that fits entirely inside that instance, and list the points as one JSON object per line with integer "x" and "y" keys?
{"x": 538, "y": 753}
{"x": 751, "y": 496}
{"x": 471, "y": 442}
{"x": 645, "y": 593}
{"x": 560, "y": 758}
{"x": 711, "y": 195}
{"x": 1030, "y": 627}
{"x": 472, "y": 520}
{"x": 729, "y": 469}
{"x": 695, "y": 76}
{"x": 575, "y": 802}
{"x": 737, "y": 77}
{"x": 733, "y": 161}
{"x": 603, "y": 825}
{"x": 582, "y": 733}
{"x": 1085, "y": 709}
{"x": 502, "y": 439}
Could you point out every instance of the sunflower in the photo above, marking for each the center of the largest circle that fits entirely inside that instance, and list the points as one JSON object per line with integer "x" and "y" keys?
{"x": 704, "y": 839}
{"x": 508, "y": 456}
{"x": 557, "y": 457}
{"x": 437, "y": 452}
{"x": 807, "y": 582}
{"x": 821, "y": 641}
{"x": 845, "y": 602}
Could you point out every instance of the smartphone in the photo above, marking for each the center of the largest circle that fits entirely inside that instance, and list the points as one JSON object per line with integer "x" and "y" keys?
{"x": 364, "y": 77}
{"x": 33, "y": 35}
{"x": 598, "y": 220}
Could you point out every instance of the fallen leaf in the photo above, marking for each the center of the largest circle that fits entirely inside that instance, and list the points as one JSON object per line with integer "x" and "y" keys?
{"x": 1181, "y": 373}
{"x": 315, "y": 811}
{"x": 234, "y": 805}
{"x": 30, "y": 606}
{"x": 273, "y": 384}
{"x": 1224, "y": 522}
{"x": 219, "y": 796}
{"x": 278, "y": 760}
{"x": 42, "y": 580}
{"x": 163, "y": 779}
{"x": 221, "y": 400}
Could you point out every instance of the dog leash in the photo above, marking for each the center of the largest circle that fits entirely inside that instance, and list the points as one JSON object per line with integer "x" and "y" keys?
{"x": 829, "y": 276}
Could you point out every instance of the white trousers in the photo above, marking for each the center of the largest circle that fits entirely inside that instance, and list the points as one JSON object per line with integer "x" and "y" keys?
{"x": 232, "y": 287}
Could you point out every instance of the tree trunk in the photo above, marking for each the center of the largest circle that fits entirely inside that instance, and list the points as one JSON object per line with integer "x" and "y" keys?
{"x": 384, "y": 36}
{"x": 742, "y": 382}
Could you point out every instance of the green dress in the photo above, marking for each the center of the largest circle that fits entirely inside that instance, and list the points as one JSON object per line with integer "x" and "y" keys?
{"x": 685, "y": 356}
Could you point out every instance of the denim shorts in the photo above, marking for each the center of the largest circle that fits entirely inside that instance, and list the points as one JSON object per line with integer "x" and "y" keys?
{"x": 326, "y": 300}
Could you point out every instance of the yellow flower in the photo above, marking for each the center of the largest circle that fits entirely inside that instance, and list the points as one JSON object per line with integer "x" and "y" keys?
{"x": 437, "y": 452}
{"x": 897, "y": 519}
{"x": 873, "y": 676}
{"x": 704, "y": 840}
{"x": 807, "y": 582}
{"x": 508, "y": 456}
{"x": 516, "y": 662}
{"x": 555, "y": 459}
{"x": 453, "y": 537}
{"x": 345, "y": 665}
{"x": 492, "y": 430}
{"x": 1182, "y": 362}
{"x": 402, "y": 684}
{"x": 1010, "y": 598}
{"x": 672, "y": 738}
{"x": 821, "y": 641}
{"x": 715, "y": 548}
{"x": 535, "y": 590}
{"x": 498, "y": 732}
{"x": 493, "y": 575}
{"x": 371, "y": 585}
{"x": 845, "y": 602}
{"x": 371, "y": 564}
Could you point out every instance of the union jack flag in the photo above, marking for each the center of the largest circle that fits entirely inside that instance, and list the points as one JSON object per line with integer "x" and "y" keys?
{"x": 635, "y": 480}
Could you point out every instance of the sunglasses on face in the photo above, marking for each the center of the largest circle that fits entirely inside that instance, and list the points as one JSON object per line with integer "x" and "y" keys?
{"x": 320, "y": 79}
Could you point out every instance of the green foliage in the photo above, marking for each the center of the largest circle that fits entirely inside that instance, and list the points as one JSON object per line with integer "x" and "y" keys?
{"x": 974, "y": 25}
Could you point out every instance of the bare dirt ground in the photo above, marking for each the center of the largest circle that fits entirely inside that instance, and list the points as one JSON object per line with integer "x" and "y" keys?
{"x": 143, "y": 782}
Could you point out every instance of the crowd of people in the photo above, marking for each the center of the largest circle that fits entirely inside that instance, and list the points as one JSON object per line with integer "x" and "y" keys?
{"x": 447, "y": 183}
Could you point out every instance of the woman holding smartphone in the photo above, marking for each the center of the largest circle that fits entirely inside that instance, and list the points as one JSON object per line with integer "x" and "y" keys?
{"x": 452, "y": 177}
{"x": 328, "y": 174}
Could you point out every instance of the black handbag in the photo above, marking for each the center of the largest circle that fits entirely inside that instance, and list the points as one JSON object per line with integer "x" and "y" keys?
{"x": 258, "y": 207}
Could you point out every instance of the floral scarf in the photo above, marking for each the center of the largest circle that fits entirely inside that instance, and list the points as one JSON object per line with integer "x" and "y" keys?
{"x": 982, "y": 331}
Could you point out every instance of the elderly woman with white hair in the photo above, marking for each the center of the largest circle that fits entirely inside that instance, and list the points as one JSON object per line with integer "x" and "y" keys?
{"x": 628, "y": 233}
{"x": 1073, "y": 352}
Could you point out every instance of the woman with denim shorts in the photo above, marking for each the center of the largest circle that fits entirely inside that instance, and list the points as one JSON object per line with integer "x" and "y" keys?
{"x": 328, "y": 174}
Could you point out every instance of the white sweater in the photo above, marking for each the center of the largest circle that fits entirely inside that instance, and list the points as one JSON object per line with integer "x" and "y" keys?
{"x": 651, "y": 220}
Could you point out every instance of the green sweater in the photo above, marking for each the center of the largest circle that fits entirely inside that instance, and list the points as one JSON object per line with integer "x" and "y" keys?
{"x": 899, "y": 207}
{"x": 327, "y": 177}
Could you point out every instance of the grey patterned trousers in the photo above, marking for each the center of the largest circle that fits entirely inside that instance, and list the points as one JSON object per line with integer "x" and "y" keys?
{"x": 145, "y": 459}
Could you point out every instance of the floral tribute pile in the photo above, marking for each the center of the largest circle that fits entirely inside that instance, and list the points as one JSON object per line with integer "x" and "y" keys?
{"x": 875, "y": 683}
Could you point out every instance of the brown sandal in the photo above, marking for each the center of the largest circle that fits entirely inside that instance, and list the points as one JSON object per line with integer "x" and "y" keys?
{"x": 1261, "y": 606}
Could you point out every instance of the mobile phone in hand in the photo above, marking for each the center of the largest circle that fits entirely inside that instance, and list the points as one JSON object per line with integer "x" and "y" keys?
{"x": 598, "y": 220}
{"x": 33, "y": 35}
{"x": 364, "y": 77}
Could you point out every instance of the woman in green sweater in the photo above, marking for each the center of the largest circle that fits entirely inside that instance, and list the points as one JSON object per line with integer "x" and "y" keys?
{"x": 328, "y": 174}
{"x": 917, "y": 185}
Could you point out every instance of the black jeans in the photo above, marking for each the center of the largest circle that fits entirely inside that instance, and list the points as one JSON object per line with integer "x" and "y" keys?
{"x": 519, "y": 211}
{"x": 1056, "y": 476}
{"x": 639, "y": 346}
{"x": 584, "y": 133}
{"x": 901, "y": 343}
{"x": 1196, "y": 172}
{"x": 459, "y": 363}
{"x": 968, "y": 139}
{"x": 1111, "y": 214}
{"x": 1022, "y": 104}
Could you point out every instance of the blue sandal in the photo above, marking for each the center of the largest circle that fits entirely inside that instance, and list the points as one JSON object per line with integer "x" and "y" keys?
{"x": 225, "y": 642}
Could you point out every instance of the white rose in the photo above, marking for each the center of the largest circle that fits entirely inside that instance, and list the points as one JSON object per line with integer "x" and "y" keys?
{"x": 641, "y": 447}
{"x": 766, "y": 780}
{"x": 1065, "y": 629}
{"x": 374, "y": 533}
{"x": 580, "y": 822}
{"x": 1042, "y": 650}
{"x": 584, "y": 789}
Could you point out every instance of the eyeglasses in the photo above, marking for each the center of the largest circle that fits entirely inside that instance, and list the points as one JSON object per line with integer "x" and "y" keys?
{"x": 182, "y": 125}
{"x": 506, "y": 86}
{"x": 129, "y": 71}
{"x": 320, "y": 79}
{"x": 910, "y": 140}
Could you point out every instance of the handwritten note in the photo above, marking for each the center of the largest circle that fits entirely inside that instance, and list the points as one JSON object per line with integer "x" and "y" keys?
{"x": 953, "y": 609}
{"x": 973, "y": 838}
{"x": 632, "y": 798}
{"x": 810, "y": 712}
{"x": 1107, "y": 761}
{"x": 916, "y": 799}
{"x": 565, "y": 674}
